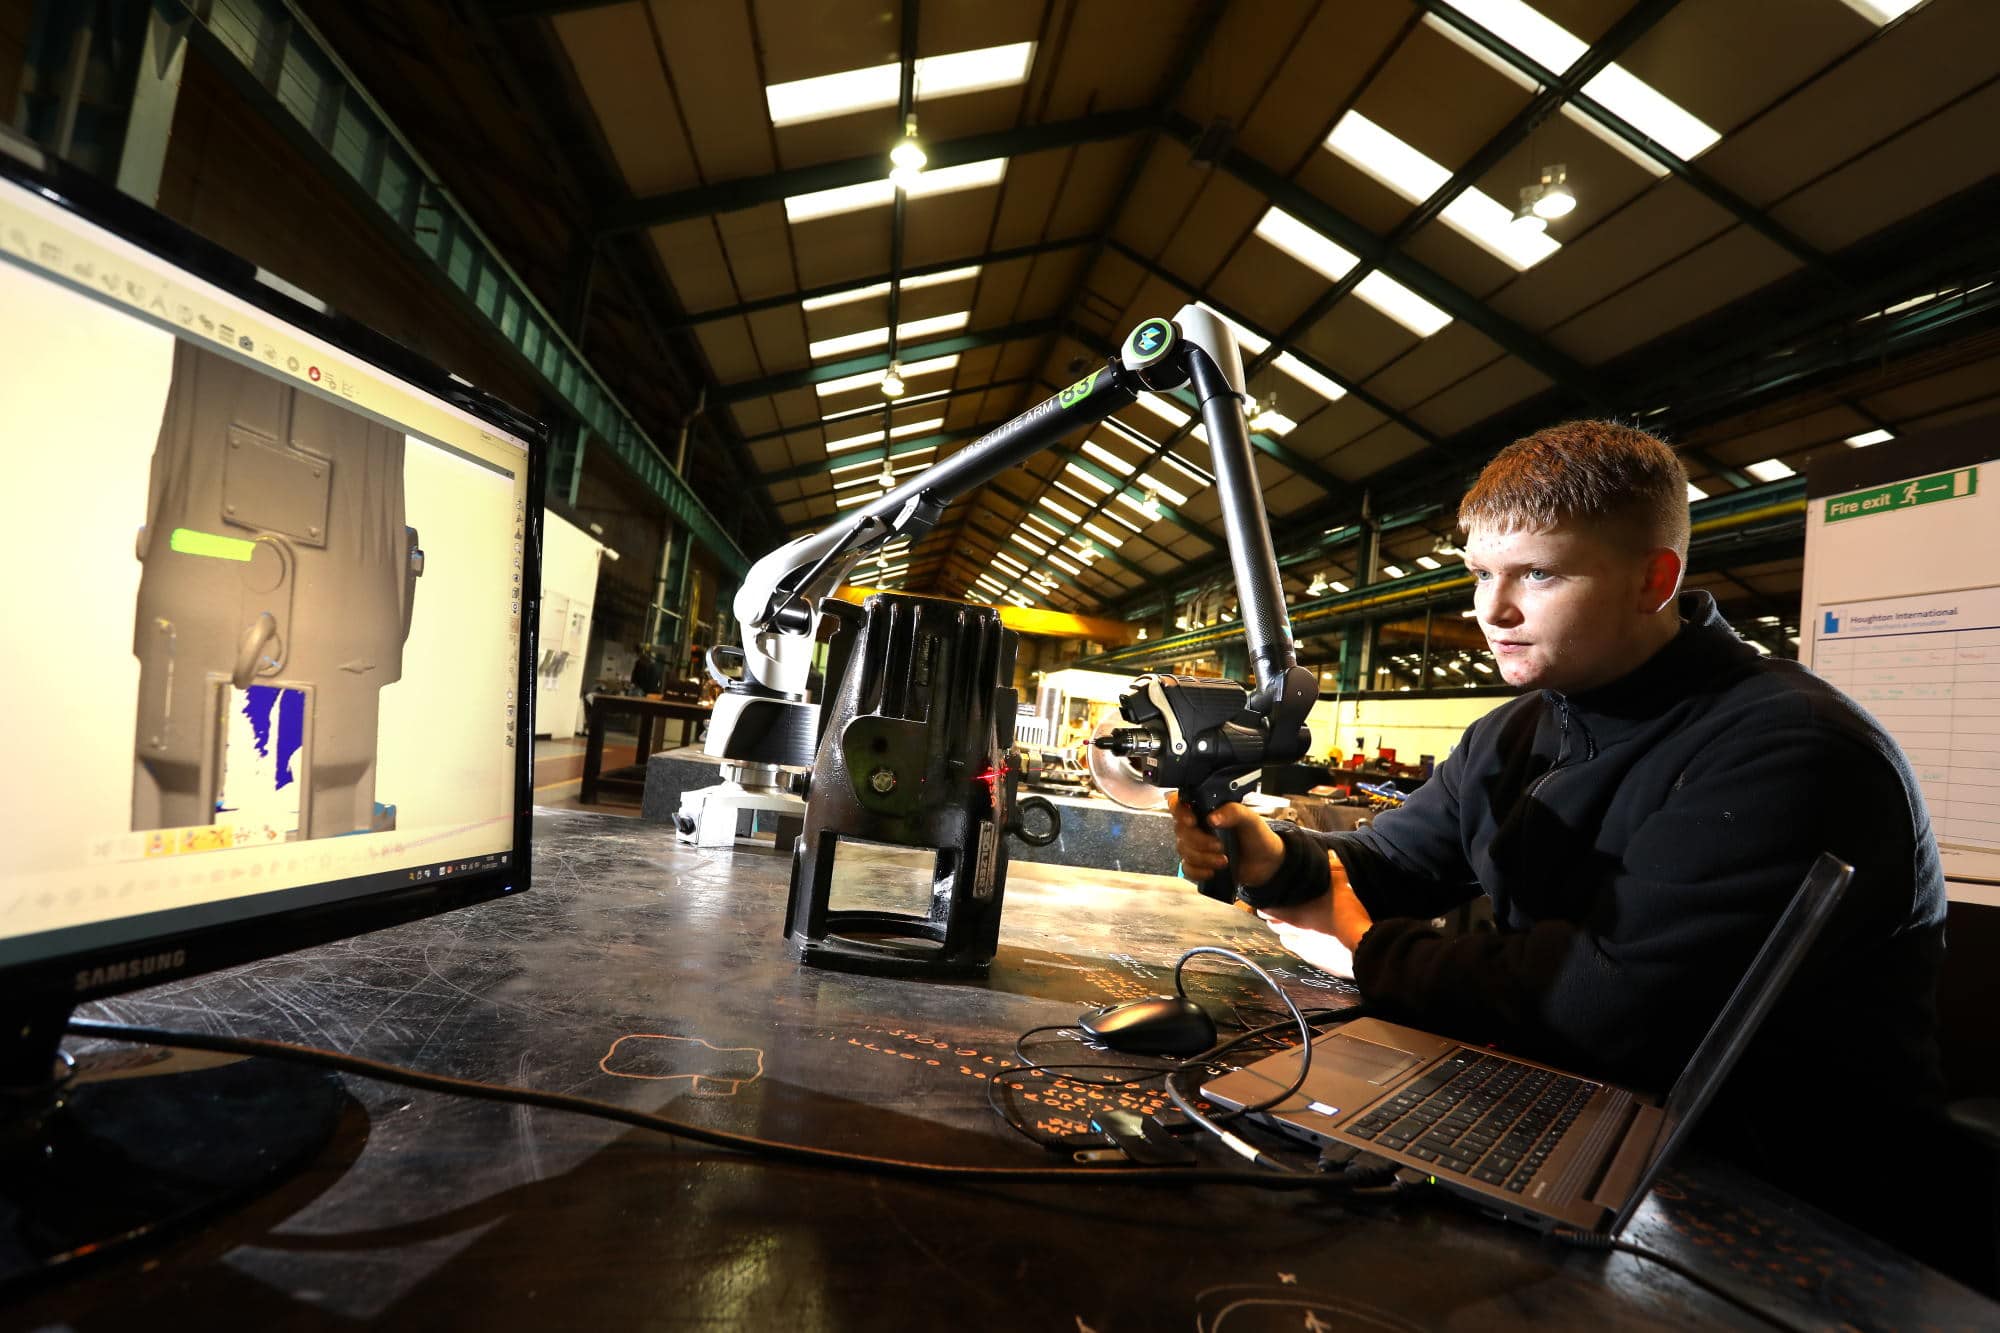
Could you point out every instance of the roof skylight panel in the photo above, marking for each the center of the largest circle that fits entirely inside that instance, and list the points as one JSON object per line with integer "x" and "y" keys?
{"x": 1882, "y": 12}
{"x": 1168, "y": 493}
{"x": 909, "y": 401}
{"x": 915, "y": 328}
{"x": 869, "y": 379}
{"x": 1333, "y": 263}
{"x": 878, "y": 436}
{"x": 848, "y": 91}
{"x": 1615, "y": 88}
{"x": 1473, "y": 214}
{"x": 1309, "y": 377}
{"x": 1109, "y": 459}
{"x": 877, "y": 194}
{"x": 872, "y": 289}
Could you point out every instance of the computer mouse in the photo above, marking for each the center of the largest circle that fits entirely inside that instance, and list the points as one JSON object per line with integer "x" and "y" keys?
{"x": 1158, "y": 1025}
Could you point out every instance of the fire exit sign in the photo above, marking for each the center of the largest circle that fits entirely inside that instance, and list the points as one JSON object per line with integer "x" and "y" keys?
{"x": 1903, "y": 494}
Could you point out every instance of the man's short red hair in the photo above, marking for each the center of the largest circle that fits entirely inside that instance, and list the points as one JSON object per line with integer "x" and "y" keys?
{"x": 1619, "y": 480}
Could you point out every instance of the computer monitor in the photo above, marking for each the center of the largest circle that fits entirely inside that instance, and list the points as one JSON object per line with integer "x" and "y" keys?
{"x": 269, "y": 590}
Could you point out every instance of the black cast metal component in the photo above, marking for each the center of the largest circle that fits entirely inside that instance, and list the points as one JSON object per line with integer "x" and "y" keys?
{"x": 915, "y": 748}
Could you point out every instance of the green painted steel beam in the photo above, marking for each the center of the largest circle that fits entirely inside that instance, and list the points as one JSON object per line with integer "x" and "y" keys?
{"x": 785, "y": 381}
{"x": 750, "y": 191}
{"x": 269, "y": 51}
{"x": 1736, "y": 205}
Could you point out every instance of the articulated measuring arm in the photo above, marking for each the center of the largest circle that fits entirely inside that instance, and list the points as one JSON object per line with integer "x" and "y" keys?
{"x": 1207, "y": 739}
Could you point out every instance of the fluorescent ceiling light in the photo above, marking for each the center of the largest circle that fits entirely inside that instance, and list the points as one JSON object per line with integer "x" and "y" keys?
{"x": 1770, "y": 469}
{"x": 1393, "y": 571}
{"x": 1338, "y": 586}
{"x": 1696, "y": 493}
{"x": 1153, "y": 483}
{"x": 1309, "y": 377}
{"x": 1615, "y": 88}
{"x": 879, "y": 86}
{"x": 1109, "y": 459}
{"x": 1868, "y": 437}
{"x": 876, "y": 436}
{"x": 1002, "y": 558}
{"x": 873, "y": 289}
{"x": 1020, "y": 599}
{"x": 1119, "y": 519}
{"x": 869, "y": 379}
{"x": 861, "y": 497}
{"x": 872, "y": 480}
{"x": 1273, "y": 422}
{"x": 1333, "y": 263}
{"x": 1060, "y": 510}
{"x": 1427, "y": 562}
{"x": 875, "y": 194}
{"x": 916, "y": 328}
{"x": 1063, "y": 564}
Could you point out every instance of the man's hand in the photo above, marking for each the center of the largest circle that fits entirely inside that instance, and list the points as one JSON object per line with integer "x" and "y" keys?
{"x": 1336, "y": 912}
{"x": 1258, "y": 851}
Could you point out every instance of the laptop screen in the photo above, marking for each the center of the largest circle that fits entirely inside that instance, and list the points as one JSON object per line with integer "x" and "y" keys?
{"x": 1740, "y": 1018}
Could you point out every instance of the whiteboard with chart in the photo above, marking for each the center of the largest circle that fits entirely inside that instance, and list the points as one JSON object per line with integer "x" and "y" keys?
{"x": 1900, "y": 608}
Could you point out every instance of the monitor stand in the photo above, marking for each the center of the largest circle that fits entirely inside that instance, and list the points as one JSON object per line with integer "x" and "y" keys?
{"x": 132, "y": 1143}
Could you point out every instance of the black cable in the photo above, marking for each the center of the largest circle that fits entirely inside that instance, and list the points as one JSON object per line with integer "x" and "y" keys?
{"x": 1591, "y": 1240}
{"x": 766, "y": 1148}
{"x": 1305, "y": 1032}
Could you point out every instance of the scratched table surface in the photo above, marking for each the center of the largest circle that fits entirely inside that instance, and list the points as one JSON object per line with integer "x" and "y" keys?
{"x": 656, "y": 976}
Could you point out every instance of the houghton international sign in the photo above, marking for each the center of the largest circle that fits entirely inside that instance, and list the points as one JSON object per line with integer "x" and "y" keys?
{"x": 1903, "y": 494}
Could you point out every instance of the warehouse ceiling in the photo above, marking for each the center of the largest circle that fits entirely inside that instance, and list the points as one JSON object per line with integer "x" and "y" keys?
{"x": 1781, "y": 240}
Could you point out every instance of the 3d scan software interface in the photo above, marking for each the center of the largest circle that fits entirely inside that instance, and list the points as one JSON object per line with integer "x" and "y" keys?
{"x": 264, "y": 605}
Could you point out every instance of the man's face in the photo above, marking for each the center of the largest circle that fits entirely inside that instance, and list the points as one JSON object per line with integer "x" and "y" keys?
{"x": 1562, "y": 609}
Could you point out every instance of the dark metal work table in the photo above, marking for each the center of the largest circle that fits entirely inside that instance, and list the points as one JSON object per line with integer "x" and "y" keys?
{"x": 652, "y": 974}
{"x": 598, "y": 711}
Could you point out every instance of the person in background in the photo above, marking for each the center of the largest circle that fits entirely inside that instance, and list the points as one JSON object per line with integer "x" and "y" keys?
{"x": 1638, "y": 818}
{"x": 648, "y": 671}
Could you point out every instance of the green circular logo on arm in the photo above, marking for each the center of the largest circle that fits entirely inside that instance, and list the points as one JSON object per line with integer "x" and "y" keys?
{"x": 1148, "y": 343}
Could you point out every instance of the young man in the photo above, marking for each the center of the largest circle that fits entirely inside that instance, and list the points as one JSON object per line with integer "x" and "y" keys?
{"x": 1639, "y": 817}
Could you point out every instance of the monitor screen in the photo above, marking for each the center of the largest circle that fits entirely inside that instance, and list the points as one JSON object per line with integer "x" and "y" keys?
{"x": 268, "y": 595}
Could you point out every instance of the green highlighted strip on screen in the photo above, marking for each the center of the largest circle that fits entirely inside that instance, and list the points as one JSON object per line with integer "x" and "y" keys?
{"x": 189, "y": 542}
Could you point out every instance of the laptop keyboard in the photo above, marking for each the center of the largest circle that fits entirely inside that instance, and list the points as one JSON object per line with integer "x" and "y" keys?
{"x": 1479, "y": 1116}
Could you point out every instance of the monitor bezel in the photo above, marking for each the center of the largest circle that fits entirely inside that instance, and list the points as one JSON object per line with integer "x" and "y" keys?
{"x": 97, "y": 972}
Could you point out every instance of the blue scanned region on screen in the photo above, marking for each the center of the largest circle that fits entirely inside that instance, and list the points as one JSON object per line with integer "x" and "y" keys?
{"x": 258, "y": 701}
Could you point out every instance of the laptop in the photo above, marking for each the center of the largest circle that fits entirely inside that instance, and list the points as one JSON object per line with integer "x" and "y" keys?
{"x": 1528, "y": 1141}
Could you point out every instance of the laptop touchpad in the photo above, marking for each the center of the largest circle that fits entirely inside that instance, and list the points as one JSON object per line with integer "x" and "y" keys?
{"x": 1361, "y": 1059}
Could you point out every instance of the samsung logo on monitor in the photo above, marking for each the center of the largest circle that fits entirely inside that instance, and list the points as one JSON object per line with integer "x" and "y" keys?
{"x": 112, "y": 974}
